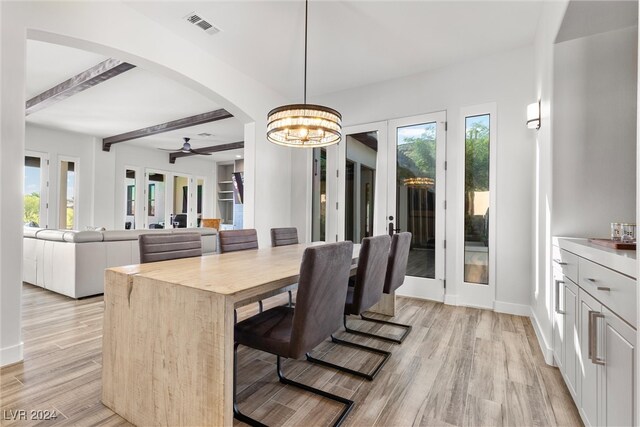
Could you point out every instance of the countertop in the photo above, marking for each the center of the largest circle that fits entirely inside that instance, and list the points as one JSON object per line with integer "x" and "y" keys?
{"x": 618, "y": 260}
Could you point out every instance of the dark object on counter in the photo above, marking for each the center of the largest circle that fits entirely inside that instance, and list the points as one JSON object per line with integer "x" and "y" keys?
{"x": 614, "y": 244}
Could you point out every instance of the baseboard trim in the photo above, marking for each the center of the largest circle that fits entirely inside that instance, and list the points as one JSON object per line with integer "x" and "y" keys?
{"x": 511, "y": 308}
{"x": 11, "y": 355}
{"x": 450, "y": 299}
{"x": 547, "y": 351}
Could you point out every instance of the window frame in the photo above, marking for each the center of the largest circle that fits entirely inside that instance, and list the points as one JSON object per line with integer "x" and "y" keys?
{"x": 476, "y": 294}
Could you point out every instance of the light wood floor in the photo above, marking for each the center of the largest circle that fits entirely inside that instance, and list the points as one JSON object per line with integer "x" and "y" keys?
{"x": 459, "y": 366}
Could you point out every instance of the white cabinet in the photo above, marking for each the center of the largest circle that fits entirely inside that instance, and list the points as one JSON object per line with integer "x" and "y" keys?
{"x": 571, "y": 335}
{"x": 588, "y": 374}
{"x": 558, "y": 323}
{"x": 617, "y": 340}
{"x": 594, "y": 335}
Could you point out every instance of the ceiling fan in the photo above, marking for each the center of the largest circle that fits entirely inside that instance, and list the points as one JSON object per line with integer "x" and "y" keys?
{"x": 186, "y": 148}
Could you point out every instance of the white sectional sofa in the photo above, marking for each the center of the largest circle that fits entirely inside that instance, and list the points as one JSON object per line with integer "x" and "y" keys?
{"x": 72, "y": 263}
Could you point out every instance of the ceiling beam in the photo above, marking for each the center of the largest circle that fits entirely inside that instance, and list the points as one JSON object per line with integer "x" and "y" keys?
{"x": 87, "y": 79}
{"x": 212, "y": 149}
{"x": 198, "y": 119}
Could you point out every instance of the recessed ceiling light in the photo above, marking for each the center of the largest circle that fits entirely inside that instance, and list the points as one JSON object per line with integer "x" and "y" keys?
{"x": 205, "y": 134}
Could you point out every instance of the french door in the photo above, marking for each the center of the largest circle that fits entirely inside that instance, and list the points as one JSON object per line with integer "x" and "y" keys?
{"x": 416, "y": 174}
{"x": 390, "y": 177}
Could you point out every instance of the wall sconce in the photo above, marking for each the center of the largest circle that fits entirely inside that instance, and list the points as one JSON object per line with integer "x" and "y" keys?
{"x": 533, "y": 115}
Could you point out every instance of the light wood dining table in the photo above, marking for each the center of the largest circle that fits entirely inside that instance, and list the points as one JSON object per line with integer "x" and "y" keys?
{"x": 168, "y": 332}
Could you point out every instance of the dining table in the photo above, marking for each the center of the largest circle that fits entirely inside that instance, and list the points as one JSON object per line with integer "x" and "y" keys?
{"x": 168, "y": 343}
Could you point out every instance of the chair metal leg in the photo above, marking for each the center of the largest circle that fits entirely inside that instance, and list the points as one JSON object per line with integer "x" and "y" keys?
{"x": 260, "y": 307}
{"x": 236, "y": 410}
{"x": 368, "y": 376}
{"x": 347, "y": 402}
{"x": 380, "y": 337}
{"x": 291, "y": 304}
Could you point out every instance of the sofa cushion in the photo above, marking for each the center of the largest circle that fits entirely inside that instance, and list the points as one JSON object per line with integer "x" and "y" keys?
{"x": 55, "y": 235}
{"x": 82, "y": 236}
{"x": 31, "y": 231}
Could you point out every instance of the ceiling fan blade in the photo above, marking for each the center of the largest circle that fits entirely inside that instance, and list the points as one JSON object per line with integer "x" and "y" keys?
{"x": 201, "y": 153}
{"x": 169, "y": 150}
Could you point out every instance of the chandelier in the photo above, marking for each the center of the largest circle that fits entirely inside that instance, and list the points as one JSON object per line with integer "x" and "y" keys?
{"x": 304, "y": 125}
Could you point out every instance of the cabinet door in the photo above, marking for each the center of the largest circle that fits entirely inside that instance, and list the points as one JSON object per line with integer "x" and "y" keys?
{"x": 571, "y": 333}
{"x": 616, "y": 347}
{"x": 588, "y": 375}
{"x": 558, "y": 322}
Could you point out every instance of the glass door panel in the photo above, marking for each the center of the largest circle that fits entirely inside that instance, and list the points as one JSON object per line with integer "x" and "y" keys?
{"x": 155, "y": 206}
{"x": 67, "y": 196}
{"x": 33, "y": 191}
{"x": 319, "y": 196}
{"x": 181, "y": 203}
{"x": 476, "y": 199}
{"x": 416, "y": 195}
{"x": 416, "y": 185}
{"x": 361, "y": 160}
{"x": 130, "y": 194}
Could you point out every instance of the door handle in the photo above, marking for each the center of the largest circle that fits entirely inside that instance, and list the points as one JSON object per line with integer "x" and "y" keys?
{"x": 392, "y": 228}
{"x": 557, "y": 261}
{"x": 557, "y": 307}
{"x": 593, "y": 337}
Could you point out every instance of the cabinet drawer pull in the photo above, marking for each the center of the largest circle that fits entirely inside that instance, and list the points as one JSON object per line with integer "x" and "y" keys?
{"x": 557, "y": 261}
{"x": 557, "y": 307}
{"x": 593, "y": 337}
{"x": 603, "y": 288}
{"x": 591, "y": 280}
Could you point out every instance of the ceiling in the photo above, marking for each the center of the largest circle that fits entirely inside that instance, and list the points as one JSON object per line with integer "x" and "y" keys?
{"x": 132, "y": 100}
{"x": 586, "y": 18}
{"x": 351, "y": 43}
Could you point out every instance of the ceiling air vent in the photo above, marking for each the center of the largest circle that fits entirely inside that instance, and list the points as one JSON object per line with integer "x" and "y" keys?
{"x": 205, "y": 25}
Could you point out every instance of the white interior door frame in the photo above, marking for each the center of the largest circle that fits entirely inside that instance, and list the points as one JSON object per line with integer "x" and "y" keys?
{"x": 420, "y": 287}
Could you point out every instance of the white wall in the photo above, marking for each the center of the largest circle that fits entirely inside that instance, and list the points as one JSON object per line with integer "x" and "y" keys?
{"x": 542, "y": 290}
{"x": 594, "y": 133}
{"x": 12, "y": 99}
{"x": 108, "y": 28}
{"x": 101, "y": 176}
{"x": 505, "y": 79}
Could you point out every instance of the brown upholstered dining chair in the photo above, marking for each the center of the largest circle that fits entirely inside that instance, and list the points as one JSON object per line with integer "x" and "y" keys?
{"x": 238, "y": 240}
{"x": 292, "y": 333}
{"x": 366, "y": 292}
{"x": 165, "y": 246}
{"x": 394, "y": 278}
{"x": 284, "y": 236}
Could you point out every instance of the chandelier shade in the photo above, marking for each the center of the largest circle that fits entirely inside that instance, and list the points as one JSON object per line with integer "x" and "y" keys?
{"x": 304, "y": 125}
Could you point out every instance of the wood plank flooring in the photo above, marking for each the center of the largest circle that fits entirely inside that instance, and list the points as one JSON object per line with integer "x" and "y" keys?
{"x": 459, "y": 366}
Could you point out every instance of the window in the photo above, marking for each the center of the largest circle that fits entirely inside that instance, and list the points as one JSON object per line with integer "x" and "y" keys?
{"x": 477, "y": 198}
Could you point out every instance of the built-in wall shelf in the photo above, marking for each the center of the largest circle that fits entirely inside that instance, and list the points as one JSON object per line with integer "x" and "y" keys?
{"x": 225, "y": 182}
{"x": 225, "y": 200}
